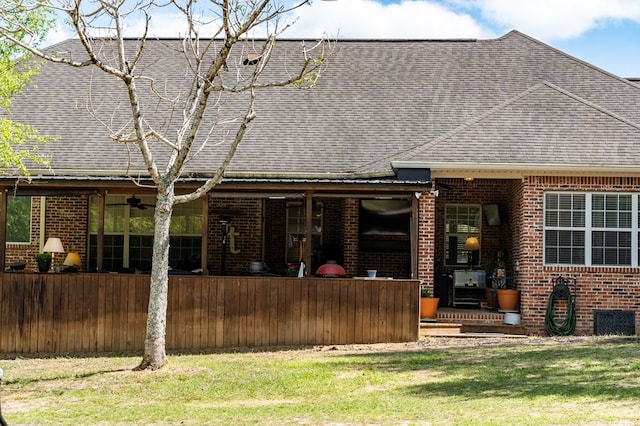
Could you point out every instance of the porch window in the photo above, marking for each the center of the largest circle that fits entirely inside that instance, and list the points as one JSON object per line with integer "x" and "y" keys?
{"x": 128, "y": 239}
{"x": 18, "y": 220}
{"x": 591, "y": 229}
{"x": 462, "y": 221}
{"x": 296, "y": 226}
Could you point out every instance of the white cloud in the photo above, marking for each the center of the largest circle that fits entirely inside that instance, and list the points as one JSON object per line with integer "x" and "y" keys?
{"x": 548, "y": 20}
{"x": 371, "y": 19}
{"x": 554, "y": 19}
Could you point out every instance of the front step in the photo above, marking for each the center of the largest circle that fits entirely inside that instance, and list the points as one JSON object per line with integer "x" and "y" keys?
{"x": 470, "y": 330}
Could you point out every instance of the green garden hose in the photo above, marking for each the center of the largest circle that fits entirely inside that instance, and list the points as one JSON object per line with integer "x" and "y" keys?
{"x": 567, "y": 325}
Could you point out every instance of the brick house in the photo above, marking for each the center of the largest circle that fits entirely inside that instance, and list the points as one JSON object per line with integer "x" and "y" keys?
{"x": 508, "y": 140}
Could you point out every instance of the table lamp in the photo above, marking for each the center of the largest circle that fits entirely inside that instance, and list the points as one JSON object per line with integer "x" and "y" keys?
{"x": 53, "y": 246}
{"x": 472, "y": 244}
{"x": 72, "y": 262}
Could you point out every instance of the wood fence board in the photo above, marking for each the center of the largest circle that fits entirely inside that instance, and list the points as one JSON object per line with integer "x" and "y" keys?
{"x": 220, "y": 313}
{"x": 285, "y": 311}
{"x": 108, "y": 320}
{"x": 243, "y": 311}
{"x": 141, "y": 307}
{"x": 197, "y": 312}
{"x": 317, "y": 293}
{"x": 250, "y": 285}
{"x": 65, "y": 313}
{"x": 273, "y": 313}
{"x": 101, "y": 312}
{"x": 91, "y": 303}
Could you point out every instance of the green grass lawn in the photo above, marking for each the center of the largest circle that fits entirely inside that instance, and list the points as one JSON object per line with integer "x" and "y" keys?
{"x": 435, "y": 381}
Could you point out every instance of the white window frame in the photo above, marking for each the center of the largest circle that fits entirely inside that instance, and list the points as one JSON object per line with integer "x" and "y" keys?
{"x": 469, "y": 233}
{"x": 589, "y": 228}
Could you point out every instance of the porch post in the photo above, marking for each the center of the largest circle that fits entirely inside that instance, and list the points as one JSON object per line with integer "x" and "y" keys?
{"x": 102, "y": 201}
{"x": 204, "y": 244}
{"x": 307, "y": 231}
{"x": 415, "y": 201}
{"x": 3, "y": 228}
{"x": 426, "y": 237}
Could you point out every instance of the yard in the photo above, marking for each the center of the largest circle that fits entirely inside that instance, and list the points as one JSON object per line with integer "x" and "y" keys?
{"x": 572, "y": 380}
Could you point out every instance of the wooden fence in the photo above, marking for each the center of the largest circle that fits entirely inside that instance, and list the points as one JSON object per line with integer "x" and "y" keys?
{"x": 93, "y": 313}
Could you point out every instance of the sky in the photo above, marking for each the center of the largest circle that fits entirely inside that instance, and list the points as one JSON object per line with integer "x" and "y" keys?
{"x": 605, "y": 33}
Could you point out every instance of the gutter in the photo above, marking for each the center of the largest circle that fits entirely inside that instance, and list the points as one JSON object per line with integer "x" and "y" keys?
{"x": 520, "y": 169}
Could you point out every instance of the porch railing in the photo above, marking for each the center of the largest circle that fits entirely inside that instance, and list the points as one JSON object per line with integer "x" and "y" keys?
{"x": 93, "y": 313}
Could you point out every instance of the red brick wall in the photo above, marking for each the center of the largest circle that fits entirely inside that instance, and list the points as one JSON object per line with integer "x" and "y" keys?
{"x": 426, "y": 240}
{"x": 481, "y": 192}
{"x": 246, "y": 219}
{"x": 598, "y": 287}
{"x": 65, "y": 218}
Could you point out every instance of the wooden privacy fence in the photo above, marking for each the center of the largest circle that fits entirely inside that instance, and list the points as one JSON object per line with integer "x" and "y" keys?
{"x": 73, "y": 313}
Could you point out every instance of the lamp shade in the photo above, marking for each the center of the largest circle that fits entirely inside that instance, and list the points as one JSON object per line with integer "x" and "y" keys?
{"x": 53, "y": 245}
{"x": 472, "y": 244}
{"x": 72, "y": 259}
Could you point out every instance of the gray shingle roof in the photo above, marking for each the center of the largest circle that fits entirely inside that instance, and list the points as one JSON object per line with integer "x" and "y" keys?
{"x": 508, "y": 100}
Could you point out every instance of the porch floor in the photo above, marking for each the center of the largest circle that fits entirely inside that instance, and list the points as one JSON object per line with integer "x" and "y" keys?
{"x": 455, "y": 322}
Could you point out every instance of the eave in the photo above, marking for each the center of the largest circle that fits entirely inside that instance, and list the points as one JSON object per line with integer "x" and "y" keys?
{"x": 517, "y": 170}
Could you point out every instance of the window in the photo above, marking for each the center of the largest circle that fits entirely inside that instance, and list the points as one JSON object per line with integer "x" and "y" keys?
{"x": 128, "y": 229}
{"x": 565, "y": 220}
{"x": 461, "y": 222}
{"x": 18, "y": 220}
{"x": 591, "y": 229}
{"x": 296, "y": 225}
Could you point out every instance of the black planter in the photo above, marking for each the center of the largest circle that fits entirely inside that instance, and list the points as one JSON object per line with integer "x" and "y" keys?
{"x": 43, "y": 266}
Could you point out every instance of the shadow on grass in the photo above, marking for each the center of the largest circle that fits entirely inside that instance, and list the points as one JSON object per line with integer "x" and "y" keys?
{"x": 606, "y": 371}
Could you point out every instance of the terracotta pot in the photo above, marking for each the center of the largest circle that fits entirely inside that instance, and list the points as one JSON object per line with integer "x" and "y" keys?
{"x": 492, "y": 299}
{"x": 428, "y": 307}
{"x": 508, "y": 299}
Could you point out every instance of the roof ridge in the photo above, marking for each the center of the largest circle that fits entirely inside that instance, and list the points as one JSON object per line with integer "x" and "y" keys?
{"x": 461, "y": 127}
{"x": 592, "y": 105}
{"x": 488, "y": 113}
{"x": 515, "y": 32}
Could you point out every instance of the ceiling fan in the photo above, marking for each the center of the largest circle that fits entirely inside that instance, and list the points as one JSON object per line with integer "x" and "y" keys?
{"x": 133, "y": 202}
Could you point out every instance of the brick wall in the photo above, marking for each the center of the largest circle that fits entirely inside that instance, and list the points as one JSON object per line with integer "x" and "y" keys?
{"x": 481, "y": 192}
{"x": 246, "y": 219}
{"x": 426, "y": 240}
{"x": 65, "y": 218}
{"x": 597, "y": 287}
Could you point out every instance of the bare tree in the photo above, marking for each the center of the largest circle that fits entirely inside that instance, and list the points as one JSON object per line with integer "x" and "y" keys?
{"x": 230, "y": 26}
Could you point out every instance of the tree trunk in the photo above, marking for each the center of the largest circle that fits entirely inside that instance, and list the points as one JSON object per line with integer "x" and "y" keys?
{"x": 154, "y": 344}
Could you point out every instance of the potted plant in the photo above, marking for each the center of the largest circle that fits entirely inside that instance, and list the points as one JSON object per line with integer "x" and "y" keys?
{"x": 428, "y": 304}
{"x": 506, "y": 293}
{"x": 44, "y": 261}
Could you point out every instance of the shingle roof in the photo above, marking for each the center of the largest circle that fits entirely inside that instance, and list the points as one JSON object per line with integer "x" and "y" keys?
{"x": 508, "y": 100}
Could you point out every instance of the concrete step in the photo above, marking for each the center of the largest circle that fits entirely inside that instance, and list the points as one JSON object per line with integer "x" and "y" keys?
{"x": 470, "y": 330}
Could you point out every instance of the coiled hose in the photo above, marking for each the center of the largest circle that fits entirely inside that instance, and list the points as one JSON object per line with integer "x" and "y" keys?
{"x": 567, "y": 325}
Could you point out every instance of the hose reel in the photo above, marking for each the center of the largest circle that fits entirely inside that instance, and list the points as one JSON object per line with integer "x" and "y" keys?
{"x": 561, "y": 291}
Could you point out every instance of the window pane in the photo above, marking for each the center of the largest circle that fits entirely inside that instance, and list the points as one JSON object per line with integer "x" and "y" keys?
{"x": 564, "y": 247}
{"x": 611, "y": 248}
{"x": 187, "y": 218}
{"x": 18, "y": 219}
{"x": 463, "y": 221}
